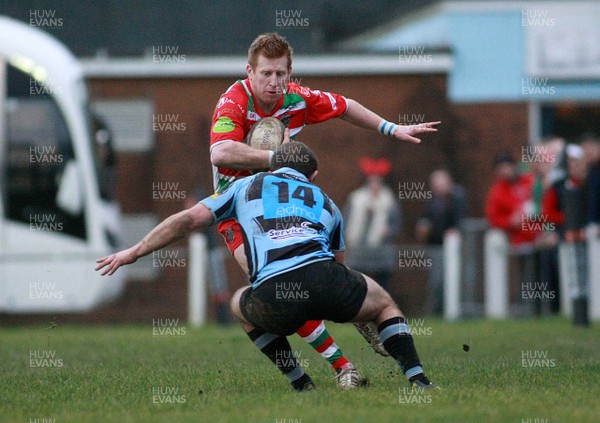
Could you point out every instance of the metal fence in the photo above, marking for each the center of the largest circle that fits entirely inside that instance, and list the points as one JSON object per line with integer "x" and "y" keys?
{"x": 486, "y": 277}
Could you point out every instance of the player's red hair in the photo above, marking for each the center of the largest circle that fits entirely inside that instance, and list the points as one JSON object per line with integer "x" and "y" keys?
{"x": 270, "y": 45}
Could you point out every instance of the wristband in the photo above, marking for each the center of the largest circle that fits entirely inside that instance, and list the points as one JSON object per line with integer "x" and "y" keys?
{"x": 386, "y": 128}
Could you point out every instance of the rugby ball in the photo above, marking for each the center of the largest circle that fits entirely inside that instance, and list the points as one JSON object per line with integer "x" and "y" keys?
{"x": 266, "y": 134}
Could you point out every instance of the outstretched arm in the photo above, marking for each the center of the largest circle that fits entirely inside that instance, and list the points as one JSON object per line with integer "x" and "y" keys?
{"x": 168, "y": 231}
{"x": 359, "y": 115}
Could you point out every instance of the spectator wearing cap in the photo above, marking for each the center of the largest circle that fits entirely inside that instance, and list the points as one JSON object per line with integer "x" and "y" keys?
{"x": 568, "y": 201}
{"x": 591, "y": 149}
{"x": 372, "y": 221}
{"x": 443, "y": 214}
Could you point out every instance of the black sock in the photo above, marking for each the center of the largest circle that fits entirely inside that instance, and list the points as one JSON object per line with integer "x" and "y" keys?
{"x": 397, "y": 339}
{"x": 278, "y": 349}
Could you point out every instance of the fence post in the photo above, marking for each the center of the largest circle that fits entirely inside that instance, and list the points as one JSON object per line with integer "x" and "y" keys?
{"x": 496, "y": 274}
{"x": 197, "y": 286}
{"x": 452, "y": 272}
{"x": 593, "y": 272}
{"x": 564, "y": 267}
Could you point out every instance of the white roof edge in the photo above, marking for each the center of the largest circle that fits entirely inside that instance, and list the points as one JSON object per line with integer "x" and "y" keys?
{"x": 501, "y": 5}
{"x": 446, "y": 6}
{"x": 227, "y": 66}
{"x": 426, "y": 11}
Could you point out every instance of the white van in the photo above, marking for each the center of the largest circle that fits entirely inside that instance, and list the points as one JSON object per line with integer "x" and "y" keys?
{"x": 56, "y": 211}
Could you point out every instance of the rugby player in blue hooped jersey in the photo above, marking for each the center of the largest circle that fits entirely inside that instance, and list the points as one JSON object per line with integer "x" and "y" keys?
{"x": 293, "y": 237}
{"x": 268, "y": 92}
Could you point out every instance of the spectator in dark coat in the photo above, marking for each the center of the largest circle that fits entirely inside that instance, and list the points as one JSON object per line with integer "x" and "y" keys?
{"x": 569, "y": 200}
{"x": 444, "y": 213}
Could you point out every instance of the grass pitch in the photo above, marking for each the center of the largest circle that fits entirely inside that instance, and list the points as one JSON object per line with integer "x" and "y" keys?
{"x": 514, "y": 371}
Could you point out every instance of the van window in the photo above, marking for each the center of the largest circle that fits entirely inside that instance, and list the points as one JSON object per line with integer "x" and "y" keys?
{"x": 39, "y": 156}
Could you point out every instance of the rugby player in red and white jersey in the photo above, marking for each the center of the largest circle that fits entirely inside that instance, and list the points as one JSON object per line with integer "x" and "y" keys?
{"x": 267, "y": 92}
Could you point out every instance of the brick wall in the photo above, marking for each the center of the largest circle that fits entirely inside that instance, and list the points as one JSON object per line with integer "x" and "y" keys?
{"x": 467, "y": 140}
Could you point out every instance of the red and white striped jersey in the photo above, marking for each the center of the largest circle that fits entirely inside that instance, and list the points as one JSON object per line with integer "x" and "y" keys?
{"x": 236, "y": 112}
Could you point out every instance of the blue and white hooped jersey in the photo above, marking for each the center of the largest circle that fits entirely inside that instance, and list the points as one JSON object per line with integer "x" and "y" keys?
{"x": 287, "y": 221}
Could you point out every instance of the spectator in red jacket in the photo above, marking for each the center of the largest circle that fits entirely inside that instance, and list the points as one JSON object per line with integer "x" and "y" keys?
{"x": 509, "y": 202}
